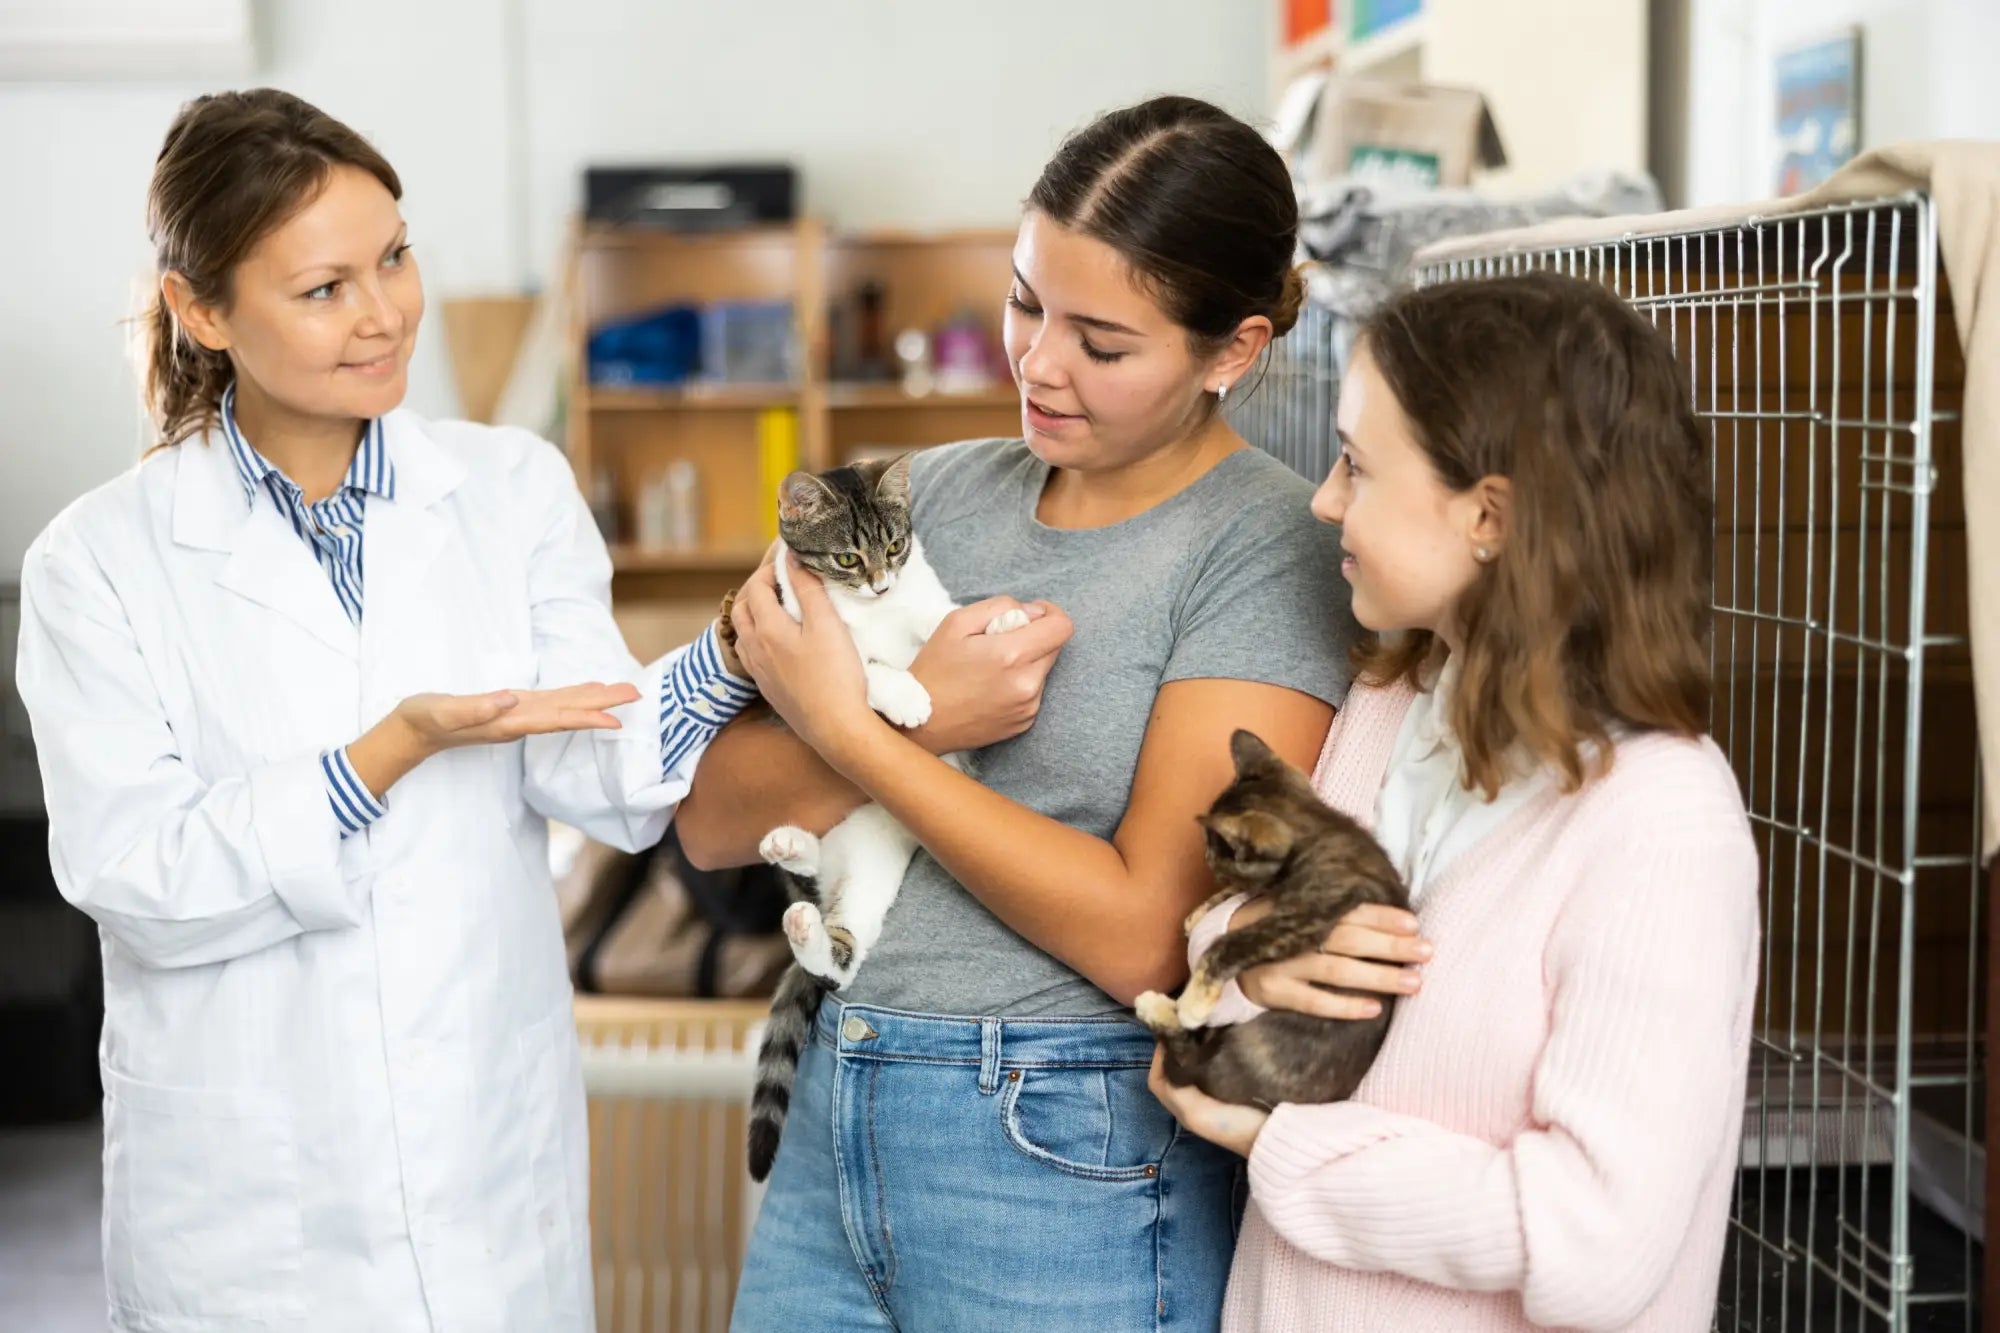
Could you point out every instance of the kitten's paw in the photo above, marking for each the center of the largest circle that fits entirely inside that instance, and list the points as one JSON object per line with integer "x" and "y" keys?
{"x": 802, "y": 924}
{"x": 1157, "y": 1012}
{"x": 1007, "y": 620}
{"x": 1198, "y": 1001}
{"x": 791, "y": 849}
{"x": 1194, "y": 917}
{"x": 901, "y": 698}
{"x": 805, "y": 929}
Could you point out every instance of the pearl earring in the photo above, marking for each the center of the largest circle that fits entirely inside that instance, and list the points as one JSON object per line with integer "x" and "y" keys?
{"x": 1481, "y": 554}
{"x": 1222, "y": 395}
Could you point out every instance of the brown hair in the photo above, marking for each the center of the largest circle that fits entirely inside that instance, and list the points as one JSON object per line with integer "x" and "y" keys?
{"x": 234, "y": 167}
{"x": 1595, "y": 611}
{"x": 1195, "y": 201}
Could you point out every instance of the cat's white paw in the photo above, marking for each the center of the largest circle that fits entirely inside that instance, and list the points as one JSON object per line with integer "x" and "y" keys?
{"x": 900, "y": 697}
{"x": 791, "y": 849}
{"x": 1006, "y": 621}
{"x": 1157, "y": 1011}
{"x": 806, "y": 932}
{"x": 802, "y": 924}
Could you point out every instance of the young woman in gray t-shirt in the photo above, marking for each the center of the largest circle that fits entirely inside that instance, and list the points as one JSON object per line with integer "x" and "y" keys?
{"x": 971, "y": 1143}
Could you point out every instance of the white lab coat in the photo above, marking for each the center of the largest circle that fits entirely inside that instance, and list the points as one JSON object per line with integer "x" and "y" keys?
{"x": 341, "y": 1077}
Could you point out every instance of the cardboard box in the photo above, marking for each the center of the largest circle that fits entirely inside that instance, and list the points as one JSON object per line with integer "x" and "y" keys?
{"x": 1401, "y": 135}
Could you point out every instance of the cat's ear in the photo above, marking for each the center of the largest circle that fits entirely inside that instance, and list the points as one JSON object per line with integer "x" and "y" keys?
{"x": 892, "y": 486}
{"x": 1256, "y": 842}
{"x": 801, "y": 496}
{"x": 1252, "y": 756}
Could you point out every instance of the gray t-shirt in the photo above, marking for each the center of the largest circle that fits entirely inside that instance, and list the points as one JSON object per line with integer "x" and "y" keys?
{"x": 1232, "y": 578}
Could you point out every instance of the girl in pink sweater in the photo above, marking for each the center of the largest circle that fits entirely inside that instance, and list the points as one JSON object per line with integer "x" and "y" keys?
{"x": 1548, "y": 1137}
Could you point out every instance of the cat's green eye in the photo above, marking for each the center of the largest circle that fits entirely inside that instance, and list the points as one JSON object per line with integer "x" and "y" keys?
{"x": 847, "y": 561}
{"x": 896, "y": 547}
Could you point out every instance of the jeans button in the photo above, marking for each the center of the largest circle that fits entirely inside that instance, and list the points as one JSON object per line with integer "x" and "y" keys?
{"x": 856, "y": 1029}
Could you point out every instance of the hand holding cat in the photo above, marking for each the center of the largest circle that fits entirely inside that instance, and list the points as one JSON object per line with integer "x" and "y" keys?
{"x": 1233, "y": 1127}
{"x": 985, "y": 687}
{"x": 1374, "y": 948}
{"x": 807, "y": 669}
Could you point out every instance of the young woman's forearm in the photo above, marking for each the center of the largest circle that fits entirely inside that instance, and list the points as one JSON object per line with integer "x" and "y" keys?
{"x": 1066, "y": 892}
{"x": 754, "y": 777}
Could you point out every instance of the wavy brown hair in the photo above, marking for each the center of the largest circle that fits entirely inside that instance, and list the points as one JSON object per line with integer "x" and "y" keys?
{"x": 1595, "y": 612}
{"x": 235, "y": 166}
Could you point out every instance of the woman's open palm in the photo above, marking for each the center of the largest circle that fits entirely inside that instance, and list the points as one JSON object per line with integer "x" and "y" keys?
{"x": 447, "y": 721}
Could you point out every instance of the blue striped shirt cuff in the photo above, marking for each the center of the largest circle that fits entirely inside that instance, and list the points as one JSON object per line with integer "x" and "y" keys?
{"x": 698, "y": 696}
{"x": 352, "y": 805}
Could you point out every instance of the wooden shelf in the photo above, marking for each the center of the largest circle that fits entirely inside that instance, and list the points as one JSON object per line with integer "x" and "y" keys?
{"x": 869, "y": 395}
{"x": 627, "y": 558}
{"x": 945, "y": 236}
{"x": 690, "y": 397}
{"x": 625, "y": 437}
{"x": 599, "y": 237}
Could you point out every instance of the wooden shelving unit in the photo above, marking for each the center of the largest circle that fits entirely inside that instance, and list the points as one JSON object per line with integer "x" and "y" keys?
{"x": 632, "y": 433}
{"x": 714, "y": 398}
{"x": 876, "y": 397}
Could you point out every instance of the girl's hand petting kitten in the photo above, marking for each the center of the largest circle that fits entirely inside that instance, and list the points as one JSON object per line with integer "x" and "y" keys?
{"x": 807, "y": 670}
{"x": 1374, "y": 948}
{"x": 1233, "y": 1127}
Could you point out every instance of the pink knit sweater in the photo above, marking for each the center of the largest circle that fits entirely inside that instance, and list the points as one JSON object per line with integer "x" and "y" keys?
{"x": 1548, "y": 1137}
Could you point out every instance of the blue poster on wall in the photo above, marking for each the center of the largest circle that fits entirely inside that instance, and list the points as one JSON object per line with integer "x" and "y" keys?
{"x": 1819, "y": 110}
{"x": 1369, "y": 17}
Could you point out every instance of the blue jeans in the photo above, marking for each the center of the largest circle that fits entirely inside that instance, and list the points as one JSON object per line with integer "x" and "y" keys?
{"x": 954, "y": 1175}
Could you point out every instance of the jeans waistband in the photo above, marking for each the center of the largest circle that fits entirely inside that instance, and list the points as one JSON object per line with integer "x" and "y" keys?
{"x": 870, "y": 1033}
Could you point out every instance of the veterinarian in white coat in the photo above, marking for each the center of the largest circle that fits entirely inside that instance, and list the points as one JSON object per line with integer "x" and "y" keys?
{"x": 279, "y": 676}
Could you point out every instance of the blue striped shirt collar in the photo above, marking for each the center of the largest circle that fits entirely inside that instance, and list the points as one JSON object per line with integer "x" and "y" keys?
{"x": 371, "y": 470}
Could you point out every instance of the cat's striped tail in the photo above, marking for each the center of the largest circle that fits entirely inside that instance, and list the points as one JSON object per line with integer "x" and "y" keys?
{"x": 793, "y": 1009}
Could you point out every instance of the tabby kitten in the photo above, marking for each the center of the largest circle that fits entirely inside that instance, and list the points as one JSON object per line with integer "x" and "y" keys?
{"x": 1269, "y": 833}
{"x": 851, "y": 527}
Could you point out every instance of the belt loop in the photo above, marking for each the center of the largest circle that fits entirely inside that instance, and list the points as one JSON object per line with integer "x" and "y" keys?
{"x": 989, "y": 1056}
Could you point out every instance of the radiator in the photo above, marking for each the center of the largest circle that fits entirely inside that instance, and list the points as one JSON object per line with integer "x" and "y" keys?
{"x": 671, "y": 1202}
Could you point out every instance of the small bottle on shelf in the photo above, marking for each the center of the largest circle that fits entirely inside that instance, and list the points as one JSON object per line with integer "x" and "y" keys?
{"x": 651, "y": 511}
{"x": 681, "y": 488}
{"x": 604, "y": 504}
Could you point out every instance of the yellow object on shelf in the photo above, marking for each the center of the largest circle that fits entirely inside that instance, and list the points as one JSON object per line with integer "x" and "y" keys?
{"x": 777, "y": 456}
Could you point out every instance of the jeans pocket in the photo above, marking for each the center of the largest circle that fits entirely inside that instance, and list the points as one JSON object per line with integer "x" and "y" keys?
{"x": 1100, "y": 1124}
{"x": 202, "y": 1218}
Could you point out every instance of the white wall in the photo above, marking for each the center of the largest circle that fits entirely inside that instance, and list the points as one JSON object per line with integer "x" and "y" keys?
{"x": 1928, "y": 71}
{"x": 898, "y": 112}
{"x": 1566, "y": 81}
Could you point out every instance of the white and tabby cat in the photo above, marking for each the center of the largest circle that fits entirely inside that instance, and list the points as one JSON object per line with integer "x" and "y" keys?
{"x": 851, "y": 527}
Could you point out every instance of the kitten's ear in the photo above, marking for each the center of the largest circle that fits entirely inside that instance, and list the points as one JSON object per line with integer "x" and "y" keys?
{"x": 1252, "y": 756}
{"x": 892, "y": 486}
{"x": 1258, "y": 842}
{"x": 802, "y": 495}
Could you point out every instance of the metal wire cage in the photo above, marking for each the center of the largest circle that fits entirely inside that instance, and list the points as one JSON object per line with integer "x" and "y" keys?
{"x": 1823, "y": 361}
{"x": 1287, "y": 410}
